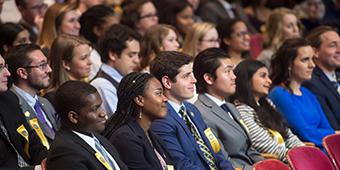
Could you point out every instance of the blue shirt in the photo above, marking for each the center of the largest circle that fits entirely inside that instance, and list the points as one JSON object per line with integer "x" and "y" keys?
{"x": 107, "y": 91}
{"x": 303, "y": 113}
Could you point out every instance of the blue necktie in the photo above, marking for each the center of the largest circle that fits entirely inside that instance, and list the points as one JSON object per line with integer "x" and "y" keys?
{"x": 101, "y": 149}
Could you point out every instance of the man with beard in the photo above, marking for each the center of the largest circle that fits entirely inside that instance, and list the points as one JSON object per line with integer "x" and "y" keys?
{"x": 30, "y": 73}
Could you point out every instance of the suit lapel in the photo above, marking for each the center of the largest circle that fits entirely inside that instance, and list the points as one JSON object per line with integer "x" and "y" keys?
{"x": 47, "y": 110}
{"x": 324, "y": 80}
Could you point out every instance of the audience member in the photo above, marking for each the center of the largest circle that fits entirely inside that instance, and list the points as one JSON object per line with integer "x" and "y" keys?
{"x": 119, "y": 50}
{"x": 140, "y": 102}
{"x": 84, "y": 5}
{"x": 178, "y": 13}
{"x": 257, "y": 13}
{"x": 32, "y": 14}
{"x": 235, "y": 38}
{"x": 201, "y": 36}
{"x": 12, "y": 35}
{"x": 282, "y": 25}
{"x": 59, "y": 19}
{"x": 140, "y": 15}
{"x": 183, "y": 130}
{"x": 77, "y": 144}
{"x": 30, "y": 74}
{"x": 160, "y": 37}
{"x": 94, "y": 23}
{"x": 215, "y": 83}
{"x": 70, "y": 60}
{"x": 311, "y": 13}
{"x": 326, "y": 78}
{"x": 268, "y": 130}
{"x": 19, "y": 144}
{"x": 291, "y": 66}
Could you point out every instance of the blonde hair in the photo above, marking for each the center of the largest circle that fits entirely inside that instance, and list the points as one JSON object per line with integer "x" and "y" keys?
{"x": 274, "y": 27}
{"x": 52, "y": 21}
{"x": 62, "y": 50}
{"x": 194, "y": 36}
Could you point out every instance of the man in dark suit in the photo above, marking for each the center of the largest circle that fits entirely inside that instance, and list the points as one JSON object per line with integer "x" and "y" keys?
{"x": 30, "y": 73}
{"x": 20, "y": 147}
{"x": 190, "y": 143}
{"x": 77, "y": 144}
{"x": 325, "y": 82}
{"x": 215, "y": 83}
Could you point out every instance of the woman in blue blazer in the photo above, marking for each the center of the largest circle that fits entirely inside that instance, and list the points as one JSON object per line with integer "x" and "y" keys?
{"x": 140, "y": 101}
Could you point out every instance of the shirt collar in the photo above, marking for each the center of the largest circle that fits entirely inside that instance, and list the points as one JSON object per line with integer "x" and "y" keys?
{"x": 175, "y": 106}
{"x": 215, "y": 100}
{"x": 31, "y": 100}
{"x": 112, "y": 72}
{"x": 331, "y": 76}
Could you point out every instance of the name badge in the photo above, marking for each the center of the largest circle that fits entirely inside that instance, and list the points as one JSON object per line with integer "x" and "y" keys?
{"x": 169, "y": 167}
{"x": 24, "y": 133}
{"x": 212, "y": 139}
{"x": 102, "y": 160}
{"x": 35, "y": 125}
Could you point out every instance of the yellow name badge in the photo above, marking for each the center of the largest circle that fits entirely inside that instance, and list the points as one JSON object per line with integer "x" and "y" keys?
{"x": 170, "y": 167}
{"x": 23, "y": 132}
{"x": 102, "y": 160}
{"x": 35, "y": 125}
{"x": 212, "y": 139}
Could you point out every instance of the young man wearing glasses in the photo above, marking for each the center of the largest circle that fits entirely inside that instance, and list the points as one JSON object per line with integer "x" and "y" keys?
{"x": 30, "y": 73}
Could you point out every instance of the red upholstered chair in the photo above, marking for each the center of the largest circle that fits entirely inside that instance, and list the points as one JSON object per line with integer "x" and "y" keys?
{"x": 256, "y": 42}
{"x": 332, "y": 146}
{"x": 270, "y": 164}
{"x": 308, "y": 158}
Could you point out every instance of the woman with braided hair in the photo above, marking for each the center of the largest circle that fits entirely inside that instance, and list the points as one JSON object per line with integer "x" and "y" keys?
{"x": 140, "y": 101}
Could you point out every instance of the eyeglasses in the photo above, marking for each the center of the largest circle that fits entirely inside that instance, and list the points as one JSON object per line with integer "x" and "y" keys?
{"x": 39, "y": 7}
{"x": 212, "y": 40}
{"x": 241, "y": 34}
{"x": 3, "y": 67}
{"x": 42, "y": 66}
{"x": 148, "y": 16}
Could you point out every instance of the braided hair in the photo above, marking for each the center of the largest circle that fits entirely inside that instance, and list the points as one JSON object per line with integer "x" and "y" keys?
{"x": 131, "y": 86}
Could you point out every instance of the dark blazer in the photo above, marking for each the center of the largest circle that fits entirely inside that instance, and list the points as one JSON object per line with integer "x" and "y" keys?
{"x": 234, "y": 140}
{"x": 12, "y": 118}
{"x": 135, "y": 149}
{"x": 68, "y": 152}
{"x": 327, "y": 95}
{"x": 180, "y": 143}
{"x": 48, "y": 110}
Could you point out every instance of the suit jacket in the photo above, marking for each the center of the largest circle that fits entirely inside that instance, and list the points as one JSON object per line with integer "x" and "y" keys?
{"x": 12, "y": 118}
{"x": 135, "y": 148}
{"x": 327, "y": 95}
{"x": 68, "y": 152}
{"x": 180, "y": 143}
{"x": 48, "y": 110}
{"x": 234, "y": 140}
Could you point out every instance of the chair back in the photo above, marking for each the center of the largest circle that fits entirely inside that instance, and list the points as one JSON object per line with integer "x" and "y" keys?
{"x": 332, "y": 146}
{"x": 270, "y": 164}
{"x": 308, "y": 158}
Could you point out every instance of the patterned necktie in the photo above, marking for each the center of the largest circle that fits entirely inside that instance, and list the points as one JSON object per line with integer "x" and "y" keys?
{"x": 337, "y": 86}
{"x": 39, "y": 112}
{"x": 101, "y": 149}
{"x": 204, "y": 148}
{"x": 226, "y": 109}
{"x": 21, "y": 160}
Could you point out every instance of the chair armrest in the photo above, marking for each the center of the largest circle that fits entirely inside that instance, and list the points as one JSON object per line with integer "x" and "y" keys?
{"x": 269, "y": 156}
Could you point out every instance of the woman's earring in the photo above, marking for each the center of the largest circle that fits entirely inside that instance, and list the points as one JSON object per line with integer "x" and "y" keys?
{"x": 140, "y": 114}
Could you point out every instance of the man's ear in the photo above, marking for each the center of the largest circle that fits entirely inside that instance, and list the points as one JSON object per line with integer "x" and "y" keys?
{"x": 72, "y": 117}
{"x": 22, "y": 73}
{"x": 113, "y": 56}
{"x": 139, "y": 101}
{"x": 208, "y": 78}
{"x": 167, "y": 83}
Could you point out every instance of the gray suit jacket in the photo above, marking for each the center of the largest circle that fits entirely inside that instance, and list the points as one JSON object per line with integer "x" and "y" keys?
{"x": 234, "y": 140}
{"x": 48, "y": 110}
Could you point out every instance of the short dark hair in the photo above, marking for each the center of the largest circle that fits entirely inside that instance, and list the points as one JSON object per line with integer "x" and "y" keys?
{"x": 131, "y": 13}
{"x": 94, "y": 17}
{"x": 225, "y": 29}
{"x": 314, "y": 36}
{"x": 71, "y": 96}
{"x": 207, "y": 61}
{"x": 283, "y": 59}
{"x": 17, "y": 57}
{"x": 167, "y": 63}
{"x": 114, "y": 40}
{"x": 9, "y": 32}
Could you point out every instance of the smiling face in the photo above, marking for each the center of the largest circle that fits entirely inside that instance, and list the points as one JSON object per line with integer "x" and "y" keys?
{"x": 91, "y": 117}
{"x": 240, "y": 38}
{"x": 184, "y": 20}
{"x": 80, "y": 65}
{"x": 261, "y": 83}
{"x": 70, "y": 24}
{"x": 169, "y": 42}
{"x": 148, "y": 17}
{"x": 183, "y": 88}
{"x": 209, "y": 40}
{"x": 154, "y": 101}
{"x": 303, "y": 65}
{"x": 4, "y": 74}
{"x": 328, "y": 55}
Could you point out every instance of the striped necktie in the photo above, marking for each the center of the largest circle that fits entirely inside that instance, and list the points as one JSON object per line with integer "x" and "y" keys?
{"x": 101, "y": 149}
{"x": 39, "y": 112}
{"x": 204, "y": 148}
